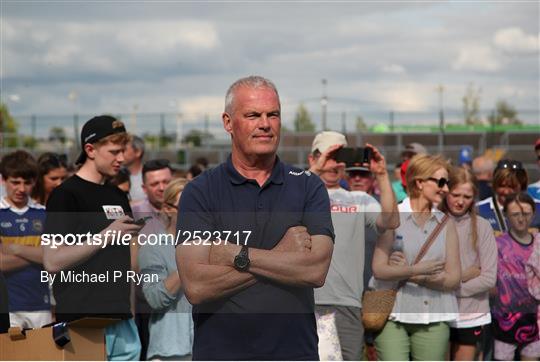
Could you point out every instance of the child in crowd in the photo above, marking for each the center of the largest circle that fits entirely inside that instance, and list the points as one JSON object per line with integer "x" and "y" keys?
{"x": 21, "y": 256}
{"x": 515, "y": 309}
{"x": 478, "y": 255}
{"x": 533, "y": 273}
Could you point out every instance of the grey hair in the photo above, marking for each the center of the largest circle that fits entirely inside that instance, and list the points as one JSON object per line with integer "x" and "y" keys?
{"x": 482, "y": 164}
{"x": 138, "y": 144}
{"x": 253, "y": 81}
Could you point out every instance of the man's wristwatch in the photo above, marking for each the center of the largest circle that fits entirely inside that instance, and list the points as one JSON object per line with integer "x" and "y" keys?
{"x": 241, "y": 261}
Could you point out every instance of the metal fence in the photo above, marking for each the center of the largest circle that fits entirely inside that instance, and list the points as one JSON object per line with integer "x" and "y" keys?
{"x": 295, "y": 147}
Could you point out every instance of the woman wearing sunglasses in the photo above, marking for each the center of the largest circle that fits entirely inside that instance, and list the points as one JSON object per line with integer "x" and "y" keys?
{"x": 425, "y": 301}
{"x": 509, "y": 178}
{"x": 478, "y": 255}
{"x": 514, "y": 309}
{"x": 170, "y": 326}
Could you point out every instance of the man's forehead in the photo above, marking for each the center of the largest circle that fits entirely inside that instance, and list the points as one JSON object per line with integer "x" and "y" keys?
{"x": 157, "y": 175}
{"x": 250, "y": 95}
{"x": 114, "y": 146}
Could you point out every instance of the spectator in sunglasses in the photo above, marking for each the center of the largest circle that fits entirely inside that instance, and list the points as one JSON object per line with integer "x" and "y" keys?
{"x": 509, "y": 178}
{"x": 52, "y": 171}
{"x": 534, "y": 189}
{"x": 418, "y": 324}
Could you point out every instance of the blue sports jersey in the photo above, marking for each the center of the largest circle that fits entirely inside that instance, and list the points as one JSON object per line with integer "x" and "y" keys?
{"x": 486, "y": 209}
{"x": 24, "y": 226}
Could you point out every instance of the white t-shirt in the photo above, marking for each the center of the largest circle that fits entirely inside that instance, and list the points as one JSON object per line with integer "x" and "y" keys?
{"x": 351, "y": 213}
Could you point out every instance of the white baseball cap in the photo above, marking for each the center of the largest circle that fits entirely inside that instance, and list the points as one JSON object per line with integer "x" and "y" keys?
{"x": 325, "y": 139}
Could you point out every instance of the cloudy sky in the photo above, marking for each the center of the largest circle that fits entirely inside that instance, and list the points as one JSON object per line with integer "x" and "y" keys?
{"x": 58, "y": 58}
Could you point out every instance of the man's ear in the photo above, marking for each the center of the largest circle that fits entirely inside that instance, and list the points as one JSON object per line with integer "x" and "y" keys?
{"x": 227, "y": 122}
{"x": 312, "y": 160}
{"x": 90, "y": 150}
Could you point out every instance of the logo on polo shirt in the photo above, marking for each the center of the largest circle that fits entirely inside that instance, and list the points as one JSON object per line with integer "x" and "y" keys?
{"x": 294, "y": 173}
{"x": 6, "y": 224}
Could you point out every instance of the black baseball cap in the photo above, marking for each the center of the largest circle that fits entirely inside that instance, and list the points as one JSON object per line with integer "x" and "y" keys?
{"x": 96, "y": 129}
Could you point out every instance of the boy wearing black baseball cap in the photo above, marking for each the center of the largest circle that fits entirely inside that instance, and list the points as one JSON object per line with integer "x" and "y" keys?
{"x": 82, "y": 274}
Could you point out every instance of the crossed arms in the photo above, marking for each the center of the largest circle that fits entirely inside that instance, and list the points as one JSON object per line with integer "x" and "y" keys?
{"x": 299, "y": 259}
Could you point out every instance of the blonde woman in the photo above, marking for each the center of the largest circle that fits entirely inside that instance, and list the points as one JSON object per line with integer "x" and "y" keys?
{"x": 418, "y": 324}
{"x": 478, "y": 254}
{"x": 171, "y": 325}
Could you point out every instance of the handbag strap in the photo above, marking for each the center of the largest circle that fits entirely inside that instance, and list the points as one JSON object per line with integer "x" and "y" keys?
{"x": 430, "y": 240}
{"x": 427, "y": 244}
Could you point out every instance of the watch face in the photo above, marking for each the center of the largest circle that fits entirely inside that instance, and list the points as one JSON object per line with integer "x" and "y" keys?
{"x": 241, "y": 262}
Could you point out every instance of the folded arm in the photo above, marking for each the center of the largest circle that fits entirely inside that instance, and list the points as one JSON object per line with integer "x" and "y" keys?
{"x": 203, "y": 281}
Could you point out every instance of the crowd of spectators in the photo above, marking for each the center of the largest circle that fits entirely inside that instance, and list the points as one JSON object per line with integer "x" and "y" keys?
{"x": 474, "y": 294}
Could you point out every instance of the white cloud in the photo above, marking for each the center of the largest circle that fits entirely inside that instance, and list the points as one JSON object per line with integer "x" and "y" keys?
{"x": 14, "y": 98}
{"x": 162, "y": 37}
{"x": 393, "y": 69}
{"x": 102, "y": 47}
{"x": 514, "y": 40}
{"x": 404, "y": 97}
{"x": 477, "y": 58}
{"x": 201, "y": 105}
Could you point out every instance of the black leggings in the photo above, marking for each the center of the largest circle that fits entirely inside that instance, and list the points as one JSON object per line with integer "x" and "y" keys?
{"x": 4, "y": 309}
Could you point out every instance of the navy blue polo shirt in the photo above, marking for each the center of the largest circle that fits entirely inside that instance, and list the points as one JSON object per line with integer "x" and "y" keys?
{"x": 267, "y": 320}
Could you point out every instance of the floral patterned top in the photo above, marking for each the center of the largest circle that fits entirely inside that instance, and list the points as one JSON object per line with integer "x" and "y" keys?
{"x": 533, "y": 269}
{"x": 514, "y": 308}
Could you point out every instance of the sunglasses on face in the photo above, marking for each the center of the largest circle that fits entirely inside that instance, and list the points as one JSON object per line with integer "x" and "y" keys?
{"x": 363, "y": 174}
{"x": 509, "y": 164}
{"x": 441, "y": 182}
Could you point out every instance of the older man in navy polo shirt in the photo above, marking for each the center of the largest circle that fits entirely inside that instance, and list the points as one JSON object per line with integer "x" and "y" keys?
{"x": 255, "y": 238}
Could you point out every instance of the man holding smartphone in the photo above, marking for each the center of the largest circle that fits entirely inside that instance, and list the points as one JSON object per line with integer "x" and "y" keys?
{"x": 352, "y": 212}
{"x": 83, "y": 204}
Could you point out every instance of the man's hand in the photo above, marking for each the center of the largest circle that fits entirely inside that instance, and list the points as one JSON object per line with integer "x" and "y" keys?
{"x": 124, "y": 225}
{"x": 321, "y": 165}
{"x": 296, "y": 239}
{"x": 378, "y": 163}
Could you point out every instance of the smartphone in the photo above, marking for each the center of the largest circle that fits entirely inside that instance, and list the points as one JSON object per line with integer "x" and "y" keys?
{"x": 354, "y": 156}
{"x": 345, "y": 154}
{"x": 142, "y": 220}
{"x": 367, "y": 155}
